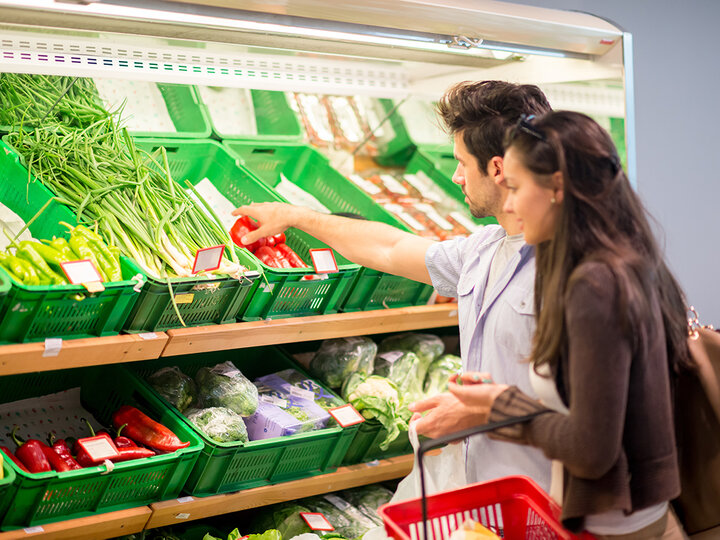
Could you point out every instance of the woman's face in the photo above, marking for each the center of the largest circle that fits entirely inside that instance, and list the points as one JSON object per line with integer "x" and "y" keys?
{"x": 531, "y": 203}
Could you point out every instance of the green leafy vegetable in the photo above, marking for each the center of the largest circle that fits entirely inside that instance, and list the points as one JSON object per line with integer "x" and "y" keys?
{"x": 402, "y": 368}
{"x": 225, "y": 386}
{"x": 427, "y": 347}
{"x": 436, "y": 380}
{"x": 337, "y": 359}
{"x": 220, "y": 424}
{"x": 173, "y": 385}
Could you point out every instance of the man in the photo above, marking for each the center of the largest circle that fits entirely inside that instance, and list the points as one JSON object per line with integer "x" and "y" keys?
{"x": 491, "y": 272}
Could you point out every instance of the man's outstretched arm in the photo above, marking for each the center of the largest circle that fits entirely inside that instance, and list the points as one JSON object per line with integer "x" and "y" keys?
{"x": 367, "y": 243}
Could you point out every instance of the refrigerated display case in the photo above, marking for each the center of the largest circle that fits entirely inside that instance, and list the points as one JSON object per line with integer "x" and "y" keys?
{"x": 405, "y": 53}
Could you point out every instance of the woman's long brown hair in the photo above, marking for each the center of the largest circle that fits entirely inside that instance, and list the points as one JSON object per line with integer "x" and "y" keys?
{"x": 602, "y": 219}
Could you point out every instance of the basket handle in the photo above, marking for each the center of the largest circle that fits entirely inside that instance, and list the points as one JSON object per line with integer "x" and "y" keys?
{"x": 431, "y": 444}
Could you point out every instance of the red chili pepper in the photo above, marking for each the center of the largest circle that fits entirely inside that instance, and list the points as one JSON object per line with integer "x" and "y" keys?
{"x": 31, "y": 453}
{"x": 61, "y": 448}
{"x": 8, "y": 453}
{"x": 85, "y": 459}
{"x": 133, "y": 452}
{"x": 239, "y": 230}
{"x": 145, "y": 430}
{"x": 291, "y": 256}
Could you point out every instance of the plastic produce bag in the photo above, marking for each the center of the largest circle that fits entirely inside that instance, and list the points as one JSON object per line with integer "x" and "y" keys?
{"x": 279, "y": 413}
{"x": 177, "y": 388}
{"x": 220, "y": 424}
{"x": 284, "y": 517}
{"x": 337, "y": 359}
{"x": 348, "y": 521}
{"x": 427, "y": 347}
{"x": 436, "y": 380}
{"x": 224, "y": 385}
{"x": 368, "y": 499}
{"x": 402, "y": 368}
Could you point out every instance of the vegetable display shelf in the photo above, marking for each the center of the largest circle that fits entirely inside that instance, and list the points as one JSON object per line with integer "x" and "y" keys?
{"x": 366, "y": 445}
{"x": 283, "y": 292}
{"x": 312, "y": 172}
{"x": 35, "y": 312}
{"x": 47, "y": 497}
{"x": 233, "y": 466}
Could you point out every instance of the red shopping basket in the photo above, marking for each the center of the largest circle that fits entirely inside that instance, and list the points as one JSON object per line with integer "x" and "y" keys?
{"x": 514, "y": 508}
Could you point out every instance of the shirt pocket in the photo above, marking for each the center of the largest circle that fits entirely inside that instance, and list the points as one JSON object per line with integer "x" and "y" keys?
{"x": 516, "y": 323}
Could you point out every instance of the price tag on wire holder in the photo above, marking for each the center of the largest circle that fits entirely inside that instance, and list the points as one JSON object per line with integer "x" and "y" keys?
{"x": 317, "y": 521}
{"x": 85, "y": 273}
{"x": 208, "y": 259}
{"x": 98, "y": 448}
{"x": 346, "y": 415}
{"x": 323, "y": 261}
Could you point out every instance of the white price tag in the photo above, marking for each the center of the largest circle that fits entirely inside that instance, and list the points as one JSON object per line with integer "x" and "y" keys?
{"x": 393, "y": 185}
{"x": 83, "y": 272}
{"x": 337, "y": 502}
{"x": 465, "y": 221}
{"x": 302, "y": 393}
{"x": 207, "y": 259}
{"x": 346, "y": 415}
{"x": 272, "y": 400}
{"x": 182, "y": 500}
{"x": 148, "y": 335}
{"x": 98, "y": 448}
{"x": 227, "y": 369}
{"x": 317, "y": 521}
{"x": 33, "y": 530}
{"x": 323, "y": 261}
{"x": 433, "y": 214}
{"x": 366, "y": 185}
{"x": 52, "y": 347}
{"x": 391, "y": 356}
{"x": 400, "y": 212}
{"x": 182, "y": 515}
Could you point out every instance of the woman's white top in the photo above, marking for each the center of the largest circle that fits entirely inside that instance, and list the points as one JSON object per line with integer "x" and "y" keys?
{"x": 607, "y": 523}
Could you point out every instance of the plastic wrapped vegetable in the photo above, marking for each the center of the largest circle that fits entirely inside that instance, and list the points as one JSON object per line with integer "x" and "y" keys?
{"x": 377, "y": 397}
{"x": 225, "y": 386}
{"x": 427, "y": 347}
{"x": 337, "y": 359}
{"x": 402, "y": 368}
{"x": 284, "y": 517}
{"x": 220, "y": 424}
{"x": 280, "y": 413}
{"x": 368, "y": 499}
{"x": 436, "y": 380}
{"x": 348, "y": 521}
{"x": 288, "y": 378}
{"x": 177, "y": 388}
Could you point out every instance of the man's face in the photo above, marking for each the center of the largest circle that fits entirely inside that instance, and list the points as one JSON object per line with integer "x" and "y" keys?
{"x": 482, "y": 194}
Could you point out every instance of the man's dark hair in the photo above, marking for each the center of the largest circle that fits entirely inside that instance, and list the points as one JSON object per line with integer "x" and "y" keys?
{"x": 483, "y": 111}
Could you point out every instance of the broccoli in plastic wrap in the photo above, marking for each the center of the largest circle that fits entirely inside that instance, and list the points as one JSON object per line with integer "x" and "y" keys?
{"x": 427, "y": 347}
{"x": 177, "y": 388}
{"x": 224, "y": 385}
{"x": 337, "y": 359}
{"x": 436, "y": 380}
{"x": 220, "y": 424}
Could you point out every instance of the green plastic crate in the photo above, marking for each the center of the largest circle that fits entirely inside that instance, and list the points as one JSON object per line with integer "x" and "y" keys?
{"x": 7, "y": 483}
{"x": 47, "y": 497}
{"x": 439, "y": 163}
{"x": 225, "y": 467}
{"x": 312, "y": 172}
{"x": 286, "y": 293}
{"x": 188, "y": 114}
{"x": 275, "y": 119}
{"x": 366, "y": 445}
{"x": 32, "y": 313}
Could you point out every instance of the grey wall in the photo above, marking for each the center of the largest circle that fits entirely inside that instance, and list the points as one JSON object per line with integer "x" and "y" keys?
{"x": 677, "y": 101}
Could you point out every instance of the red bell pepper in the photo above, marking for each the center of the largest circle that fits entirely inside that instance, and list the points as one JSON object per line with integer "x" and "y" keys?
{"x": 269, "y": 256}
{"x": 61, "y": 448}
{"x": 31, "y": 453}
{"x": 275, "y": 239}
{"x": 144, "y": 430}
{"x": 291, "y": 256}
{"x": 8, "y": 453}
{"x": 240, "y": 228}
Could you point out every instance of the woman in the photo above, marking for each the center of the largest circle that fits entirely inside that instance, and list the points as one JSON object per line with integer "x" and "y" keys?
{"x": 611, "y": 328}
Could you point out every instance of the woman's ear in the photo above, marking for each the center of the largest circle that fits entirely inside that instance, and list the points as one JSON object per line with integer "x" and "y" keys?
{"x": 558, "y": 186}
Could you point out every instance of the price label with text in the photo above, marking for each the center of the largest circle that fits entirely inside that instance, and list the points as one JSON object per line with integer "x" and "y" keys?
{"x": 85, "y": 273}
{"x": 346, "y": 415}
{"x": 207, "y": 259}
{"x": 317, "y": 521}
{"x": 98, "y": 448}
{"x": 323, "y": 261}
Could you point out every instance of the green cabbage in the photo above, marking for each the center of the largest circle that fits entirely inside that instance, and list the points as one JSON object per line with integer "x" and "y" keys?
{"x": 337, "y": 359}
{"x": 225, "y": 386}
{"x": 177, "y": 388}
{"x": 436, "y": 380}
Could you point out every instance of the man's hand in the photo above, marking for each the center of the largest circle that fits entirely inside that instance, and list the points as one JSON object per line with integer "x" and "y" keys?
{"x": 445, "y": 414}
{"x": 273, "y": 218}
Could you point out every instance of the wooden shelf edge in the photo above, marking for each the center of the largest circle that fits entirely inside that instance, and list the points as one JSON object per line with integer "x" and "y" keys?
{"x": 110, "y": 525}
{"x": 28, "y": 357}
{"x": 269, "y": 332}
{"x": 173, "y": 512}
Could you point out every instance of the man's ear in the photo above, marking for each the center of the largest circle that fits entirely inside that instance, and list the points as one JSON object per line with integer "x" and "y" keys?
{"x": 558, "y": 185}
{"x": 495, "y": 169}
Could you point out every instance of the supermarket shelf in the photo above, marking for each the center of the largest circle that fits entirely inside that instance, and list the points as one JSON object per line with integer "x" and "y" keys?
{"x": 189, "y": 508}
{"x": 269, "y": 332}
{"x": 28, "y": 357}
{"x": 109, "y": 525}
